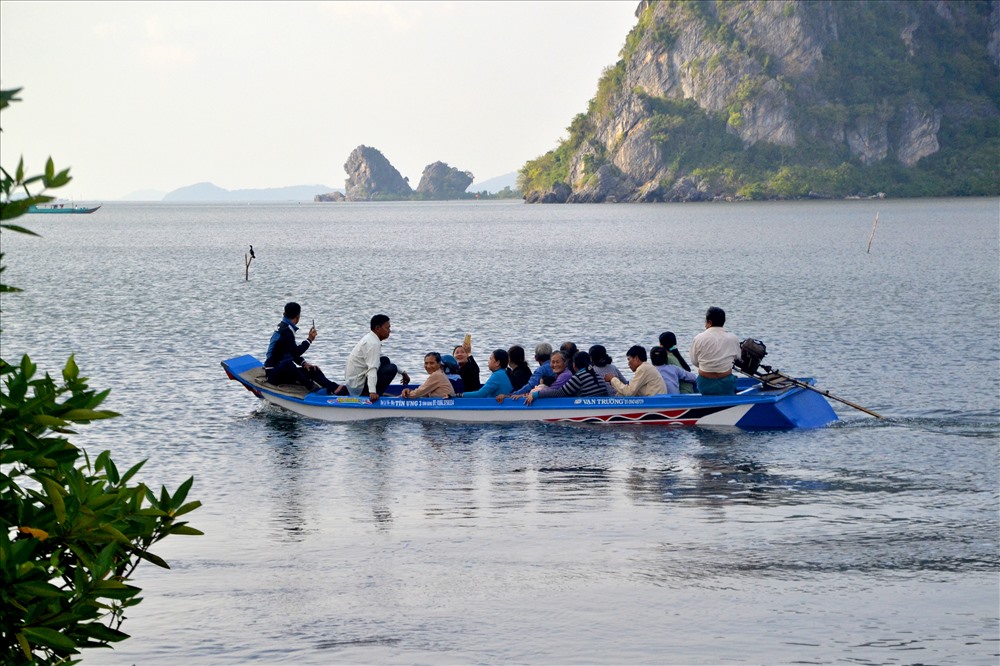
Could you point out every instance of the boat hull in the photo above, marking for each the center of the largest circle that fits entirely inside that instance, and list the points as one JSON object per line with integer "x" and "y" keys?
{"x": 65, "y": 210}
{"x": 751, "y": 409}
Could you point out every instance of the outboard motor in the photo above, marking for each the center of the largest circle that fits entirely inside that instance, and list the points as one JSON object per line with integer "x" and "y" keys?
{"x": 752, "y": 352}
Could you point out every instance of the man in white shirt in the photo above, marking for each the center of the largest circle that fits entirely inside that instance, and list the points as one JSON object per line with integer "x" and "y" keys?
{"x": 367, "y": 370}
{"x": 646, "y": 380}
{"x": 714, "y": 351}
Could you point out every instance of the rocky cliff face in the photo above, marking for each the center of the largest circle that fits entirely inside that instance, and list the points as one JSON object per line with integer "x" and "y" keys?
{"x": 440, "y": 181}
{"x": 371, "y": 177}
{"x": 783, "y": 73}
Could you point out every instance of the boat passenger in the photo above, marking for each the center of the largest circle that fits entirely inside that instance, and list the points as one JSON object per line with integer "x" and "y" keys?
{"x": 672, "y": 375}
{"x": 645, "y": 379}
{"x": 499, "y": 382}
{"x": 436, "y": 385}
{"x": 570, "y": 349}
{"x": 714, "y": 351}
{"x": 584, "y": 382}
{"x": 603, "y": 365}
{"x": 518, "y": 370}
{"x": 283, "y": 363}
{"x": 467, "y": 367}
{"x": 560, "y": 366}
{"x": 669, "y": 342}
{"x": 367, "y": 370}
{"x": 450, "y": 367}
{"x": 543, "y": 356}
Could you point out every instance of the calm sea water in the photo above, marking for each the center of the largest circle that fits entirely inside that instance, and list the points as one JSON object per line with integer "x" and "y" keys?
{"x": 869, "y": 542}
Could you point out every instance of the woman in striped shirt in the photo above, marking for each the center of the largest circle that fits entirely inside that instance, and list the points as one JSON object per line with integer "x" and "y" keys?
{"x": 584, "y": 382}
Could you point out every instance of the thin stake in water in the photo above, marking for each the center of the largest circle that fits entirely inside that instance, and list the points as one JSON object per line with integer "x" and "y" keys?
{"x": 873, "y": 234}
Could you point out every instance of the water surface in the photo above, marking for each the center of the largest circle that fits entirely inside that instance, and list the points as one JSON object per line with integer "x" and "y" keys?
{"x": 422, "y": 542}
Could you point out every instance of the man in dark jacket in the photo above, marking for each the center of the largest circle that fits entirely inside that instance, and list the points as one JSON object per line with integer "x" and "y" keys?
{"x": 284, "y": 363}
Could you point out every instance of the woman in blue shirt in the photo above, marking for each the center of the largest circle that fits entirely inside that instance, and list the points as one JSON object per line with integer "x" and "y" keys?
{"x": 499, "y": 382}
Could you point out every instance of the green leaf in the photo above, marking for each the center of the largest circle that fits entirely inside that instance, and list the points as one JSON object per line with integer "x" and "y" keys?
{"x": 185, "y": 529}
{"x": 55, "y": 493}
{"x": 38, "y": 588}
{"x": 190, "y": 506}
{"x": 49, "y": 638}
{"x": 155, "y": 559}
{"x": 102, "y": 632}
{"x": 181, "y": 493}
{"x": 18, "y": 229}
{"x": 116, "y": 534}
{"x": 132, "y": 470}
{"x": 71, "y": 371}
{"x": 49, "y": 421}
{"x": 88, "y": 415}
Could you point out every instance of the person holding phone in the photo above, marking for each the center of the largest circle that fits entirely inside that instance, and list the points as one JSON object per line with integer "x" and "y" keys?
{"x": 284, "y": 363}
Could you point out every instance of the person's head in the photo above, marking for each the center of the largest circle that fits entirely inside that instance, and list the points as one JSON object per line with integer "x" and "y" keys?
{"x": 432, "y": 362}
{"x": 292, "y": 312}
{"x": 658, "y": 355}
{"x": 636, "y": 356}
{"x": 461, "y": 354}
{"x": 450, "y": 364}
{"x": 570, "y": 349}
{"x": 559, "y": 362}
{"x": 543, "y": 352}
{"x": 668, "y": 340}
{"x": 516, "y": 354}
{"x": 599, "y": 356}
{"x": 499, "y": 359}
{"x": 715, "y": 317}
{"x": 581, "y": 361}
{"x": 380, "y": 326}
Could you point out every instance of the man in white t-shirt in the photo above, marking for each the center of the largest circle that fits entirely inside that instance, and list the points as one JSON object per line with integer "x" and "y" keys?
{"x": 367, "y": 370}
{"x": 714, "y": 351}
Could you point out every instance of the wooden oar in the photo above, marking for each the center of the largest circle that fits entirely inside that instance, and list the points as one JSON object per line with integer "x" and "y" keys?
{"x": 807, "y": 386}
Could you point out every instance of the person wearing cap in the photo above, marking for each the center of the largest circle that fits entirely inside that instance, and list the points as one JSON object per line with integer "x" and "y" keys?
{"x": 284, "y": 364}
{"x": 367, "y": 370}
{"x": 714, "y": 351}
{"x": 603, "y": 366}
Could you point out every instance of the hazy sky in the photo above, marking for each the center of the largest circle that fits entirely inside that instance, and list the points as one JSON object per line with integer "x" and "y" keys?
{"x": 159, "y": 95}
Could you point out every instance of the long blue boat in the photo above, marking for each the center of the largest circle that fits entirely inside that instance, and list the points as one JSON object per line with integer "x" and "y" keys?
{"x": 63, "y": 209}
{"x": 756, "y": 406}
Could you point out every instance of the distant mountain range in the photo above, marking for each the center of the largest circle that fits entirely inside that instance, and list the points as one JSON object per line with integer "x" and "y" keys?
{"x": 211, "y": 192}
{"x": 494, "y": 185}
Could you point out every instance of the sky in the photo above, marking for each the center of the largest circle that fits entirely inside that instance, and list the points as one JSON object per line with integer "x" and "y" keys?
{"x": 160, "y": 95}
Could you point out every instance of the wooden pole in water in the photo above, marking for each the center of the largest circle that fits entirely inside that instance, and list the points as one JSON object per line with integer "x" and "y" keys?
{"x": 874, "y": 227}
{"x": 247, "y": 259}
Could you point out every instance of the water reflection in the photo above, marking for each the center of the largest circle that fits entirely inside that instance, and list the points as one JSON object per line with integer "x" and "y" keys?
{"x": 282, "y": 432}
{"x": 371, "y": 449}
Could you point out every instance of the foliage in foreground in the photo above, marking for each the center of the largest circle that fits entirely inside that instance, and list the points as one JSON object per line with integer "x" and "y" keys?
{"x": 72, "y": 530}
